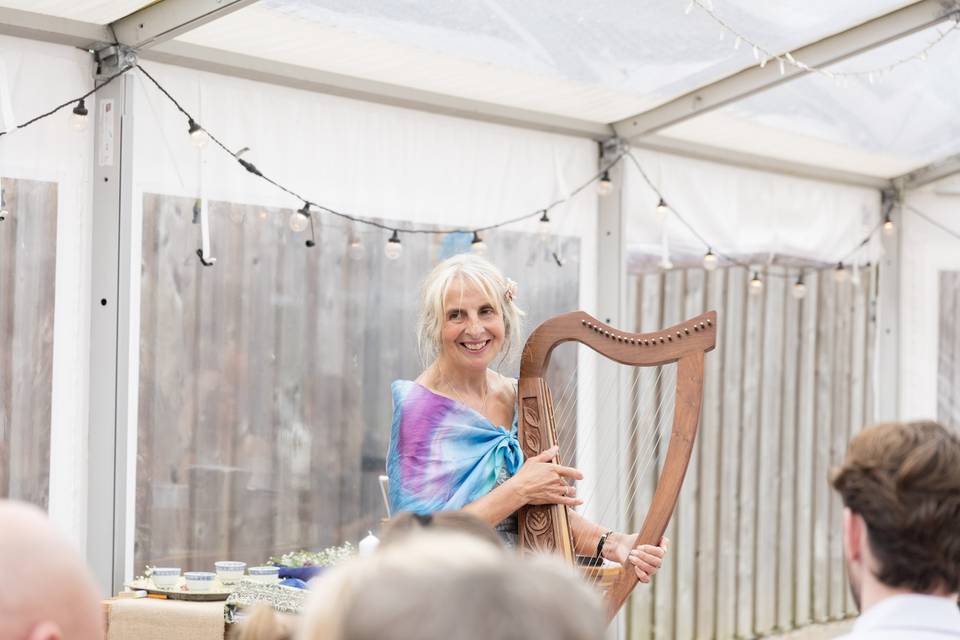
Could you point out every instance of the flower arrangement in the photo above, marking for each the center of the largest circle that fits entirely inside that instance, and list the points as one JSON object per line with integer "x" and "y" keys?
{"x": 325, "y": 558}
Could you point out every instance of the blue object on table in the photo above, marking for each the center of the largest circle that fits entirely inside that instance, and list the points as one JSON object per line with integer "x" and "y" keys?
{"x": 300, "y": 573}
{"x": 296, "y": 583}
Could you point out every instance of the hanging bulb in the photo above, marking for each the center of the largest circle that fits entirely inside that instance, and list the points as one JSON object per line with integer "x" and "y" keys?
{"x": 356, "y": 250}
{"x": 756, "y": 52}
{"x": 393, "y": 248}
{"x": 80, "y": 116}
{"x": 737, "y": 42}
{"x": 689, "y": 8}
{"x": 887, "y": 225}
{"x": 300, "y": 219}
{"x": 710, "y": 260}
{"x": 477, "y": 245}
{"x": 923, "y": 56}
{"x": 855, "y": 278}
{"x": 3, "y": 205}
{"x": 662, "y": 211}
{"x": 605, "y": 185}
{"x": 756, "y": 284}
{"x": 871, "y": 78}
{"x": 799, "y": 289}
{"x": 665, "y": 263}
{"x": 840, "y": 273}
{"x": 783, "y": 68}
{"x": 544, "y": 227}
{"x": 198, "y": 136}
{"x": 763, "y": 62}
{"x": 263, "y": 214}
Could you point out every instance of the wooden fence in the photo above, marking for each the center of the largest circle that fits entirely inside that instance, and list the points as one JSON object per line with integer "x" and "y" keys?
{"x": 948, "y": 351}
{"x": 757, "y": 533}
{"x": 264, "y": 410}
{"x": 28, "y": 253}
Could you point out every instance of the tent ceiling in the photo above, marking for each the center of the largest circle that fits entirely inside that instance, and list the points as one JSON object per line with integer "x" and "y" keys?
{"x": 600, "y": 62}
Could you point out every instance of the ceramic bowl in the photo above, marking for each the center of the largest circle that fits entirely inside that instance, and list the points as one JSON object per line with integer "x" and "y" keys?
{"x": 165, "y": 577}
{"x": 199, "y": 580}
{"x": 266, "y": 574}
{"x": 230, "y": 572}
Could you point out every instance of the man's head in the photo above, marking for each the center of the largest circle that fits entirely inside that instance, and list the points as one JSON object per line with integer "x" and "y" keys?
{"x": 47, "y": 592}
{"x": 900, "y": 484}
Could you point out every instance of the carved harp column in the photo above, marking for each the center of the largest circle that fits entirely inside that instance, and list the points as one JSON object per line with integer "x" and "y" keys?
{"x": 547, "y": 527}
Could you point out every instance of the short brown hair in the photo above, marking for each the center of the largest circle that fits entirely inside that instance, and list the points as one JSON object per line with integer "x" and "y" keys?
{"x": 903, "y": 479}
{"x": 406, "y": 523}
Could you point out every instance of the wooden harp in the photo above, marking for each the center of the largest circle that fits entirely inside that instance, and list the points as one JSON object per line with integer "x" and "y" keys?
{"x": 547, "y": 527}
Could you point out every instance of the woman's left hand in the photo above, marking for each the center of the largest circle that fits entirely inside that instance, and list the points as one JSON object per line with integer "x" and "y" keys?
{"x": 645, "y": 559}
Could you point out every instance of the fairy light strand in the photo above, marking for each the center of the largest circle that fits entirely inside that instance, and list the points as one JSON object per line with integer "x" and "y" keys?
{"x": 762, "y": 55}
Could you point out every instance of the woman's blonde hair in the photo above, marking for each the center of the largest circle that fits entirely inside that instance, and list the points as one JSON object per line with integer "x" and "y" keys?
{"x": 480, "y": 272}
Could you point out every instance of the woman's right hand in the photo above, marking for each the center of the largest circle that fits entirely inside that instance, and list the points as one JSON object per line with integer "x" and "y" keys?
{"x": 540, "y": 481}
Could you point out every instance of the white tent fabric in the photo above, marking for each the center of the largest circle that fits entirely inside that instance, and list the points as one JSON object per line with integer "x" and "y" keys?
{"x": 51, "y": 151}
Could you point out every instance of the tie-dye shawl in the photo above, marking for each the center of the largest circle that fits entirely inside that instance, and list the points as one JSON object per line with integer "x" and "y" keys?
{"x": 443, "y": 454}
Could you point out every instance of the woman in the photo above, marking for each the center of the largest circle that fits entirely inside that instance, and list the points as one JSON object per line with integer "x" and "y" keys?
{"x": 450, "y": 443}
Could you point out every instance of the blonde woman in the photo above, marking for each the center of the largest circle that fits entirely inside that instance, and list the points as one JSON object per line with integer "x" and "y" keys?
{"x": 453, "y": 441}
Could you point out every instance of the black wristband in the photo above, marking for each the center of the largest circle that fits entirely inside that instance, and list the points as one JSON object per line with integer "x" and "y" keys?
{"x": 603, "y": 540}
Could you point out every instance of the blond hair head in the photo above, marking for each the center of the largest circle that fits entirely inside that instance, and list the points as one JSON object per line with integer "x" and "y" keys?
{"x": 466, "y": 268}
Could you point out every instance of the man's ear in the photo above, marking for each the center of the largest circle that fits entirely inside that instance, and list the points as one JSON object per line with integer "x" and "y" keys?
{"x": 852, "y": 535}
{"x": 46, "y": 631}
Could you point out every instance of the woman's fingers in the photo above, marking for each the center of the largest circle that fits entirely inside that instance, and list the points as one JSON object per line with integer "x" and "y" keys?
{"x": 568, "y": 472}
{"x": 546, "y": 456}
{"x": 652, "y": 551}
{"x": 644, "y": 565}
{"x": 642, "y": 576}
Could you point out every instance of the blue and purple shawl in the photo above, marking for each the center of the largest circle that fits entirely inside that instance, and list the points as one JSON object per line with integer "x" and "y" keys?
{"x": 443, "y": 454}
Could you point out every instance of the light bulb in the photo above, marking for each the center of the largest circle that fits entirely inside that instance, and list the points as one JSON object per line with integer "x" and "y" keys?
{"x": 605, "y": 185}
{"x": 356, "y": 250}
{"x": 756, "y": 52}
{"x": 544, "y": 227}
{"x": 783, "y": 69}
{"x": 710, "y": 260}
{"x": 477, "y": 245}
{"x": 393, "y": 249}
{"x": 737, "y": 42}
{"x": 799, "y": 289}
{"x": 840, "y": 274}
{"x": 887, "y": 225}
{"x": 665, "y": 264}
{"x": 662, "y": 210}
{"x": 300, "y": 219}
{"x": 756, "y": 284}
{"x": 79, "y": 119}
{"x": 3, "y": 205}
{"x": 263, "y": 214}
{"x": 198, "y": 136}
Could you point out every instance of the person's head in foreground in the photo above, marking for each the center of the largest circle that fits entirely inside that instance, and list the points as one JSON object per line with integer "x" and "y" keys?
{"x": 408, "y": 523}
{"x": 47, "y": 592}
{"x": 451, "y": 586}
{"x": 900, "y": 485}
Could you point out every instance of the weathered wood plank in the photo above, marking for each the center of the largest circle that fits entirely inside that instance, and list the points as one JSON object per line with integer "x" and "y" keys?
{"x": 709, "y": 443}
{"x": 749, "y": 479}
{"x": 769, "y": 469}
{"x": 787, "y": 549}
{"x": 840, "y": 426}
{"x": 946, "y": 374}
{"x": 825, "y": 382}
{"x": 728, "y": 536}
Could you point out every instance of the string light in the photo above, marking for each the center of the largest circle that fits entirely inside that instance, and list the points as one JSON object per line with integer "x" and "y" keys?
{"x": 799, "y": 289}
{"x": 872, "y": 76}
{"x": 3, "y": 205}
{"x": 300, "y": 219}
{"x": 710, "y": 260}
{"x": 756, "y": 284}
{"x": 393, "y": 248}
{"x": 662, "y": 210}
{"x": 263, "y": 214}
{"x": 605, "y": 185}
{"x": 79, "y": 119}
{"x": 888, "y": 227}
{"x": 198, "y": 136}
{"x": 477, "y": 245}
{"x": 544, "y": 227}
{"x": 840, "y": 274}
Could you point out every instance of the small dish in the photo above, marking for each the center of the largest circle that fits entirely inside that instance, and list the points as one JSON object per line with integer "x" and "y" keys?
{"x": 267, "y": 575}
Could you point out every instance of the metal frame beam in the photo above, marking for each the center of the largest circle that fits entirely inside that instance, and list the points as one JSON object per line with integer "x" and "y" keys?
{"x": 168, "y": 19}
{"x": 730, "y": 157}
{"x": 856, "y": 40}
{"x": 931, "y": 173}
{"x": 38, "y": 26}
{"x": 239, "y": 65}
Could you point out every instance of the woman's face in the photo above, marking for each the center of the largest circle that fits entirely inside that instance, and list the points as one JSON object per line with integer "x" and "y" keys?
{"x": 472, "y": 331}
